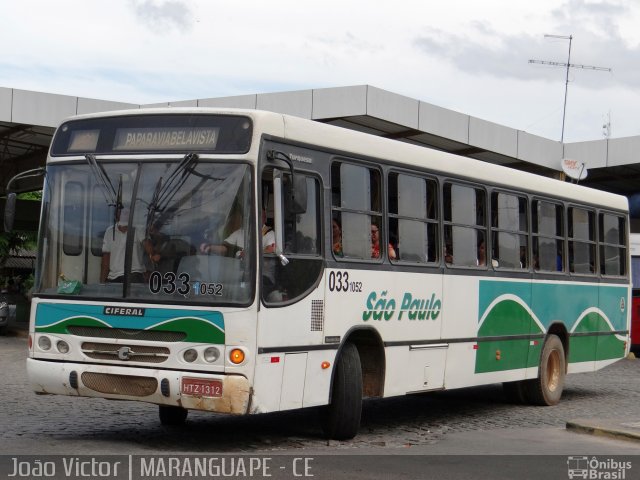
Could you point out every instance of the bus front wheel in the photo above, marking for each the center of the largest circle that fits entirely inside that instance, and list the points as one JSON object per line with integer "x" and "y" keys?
{"x": 547, "y": 388}
{"x": 341, "y": 418}
{"x": 172, "y": 416}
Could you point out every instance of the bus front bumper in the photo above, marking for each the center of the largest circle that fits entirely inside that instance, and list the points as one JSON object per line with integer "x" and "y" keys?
{"x": 162, "y": 387}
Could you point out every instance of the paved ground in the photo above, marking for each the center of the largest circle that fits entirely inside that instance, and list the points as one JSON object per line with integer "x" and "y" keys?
{"x": 407, "y": 424}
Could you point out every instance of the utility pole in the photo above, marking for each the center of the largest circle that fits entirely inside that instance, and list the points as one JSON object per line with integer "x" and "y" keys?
{"x": 568, "y": 65}
{"x": 606, "y": 127}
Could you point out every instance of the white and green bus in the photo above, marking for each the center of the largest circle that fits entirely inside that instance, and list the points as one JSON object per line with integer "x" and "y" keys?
{"x": 485, "y": 275}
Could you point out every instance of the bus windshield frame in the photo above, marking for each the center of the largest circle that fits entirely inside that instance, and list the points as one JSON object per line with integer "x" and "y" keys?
{"x": 157, "y": 228}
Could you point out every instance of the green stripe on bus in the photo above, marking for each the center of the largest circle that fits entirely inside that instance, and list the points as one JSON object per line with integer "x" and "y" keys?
{"x": 197, "y": 331}
{"x": 507, "y": 313}
{"x": 61, "y": 327}
{"x": 507, "y": 317}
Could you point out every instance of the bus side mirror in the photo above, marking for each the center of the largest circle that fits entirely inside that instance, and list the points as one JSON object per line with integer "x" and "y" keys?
{"x": 9, "y": 212}
{"x": 296, "y": 195}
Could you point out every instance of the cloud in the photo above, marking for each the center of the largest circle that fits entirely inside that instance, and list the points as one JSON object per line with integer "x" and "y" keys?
{"x": 597, "y": 41}
{"x": 161, "y": 14}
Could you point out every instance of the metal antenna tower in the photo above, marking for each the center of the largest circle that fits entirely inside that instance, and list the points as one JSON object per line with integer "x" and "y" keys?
{"x": 568, "y": 65}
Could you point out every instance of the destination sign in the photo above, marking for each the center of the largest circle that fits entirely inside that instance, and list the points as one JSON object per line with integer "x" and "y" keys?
{"x": 145, "y": 139}
{"x": 154, "y": 133}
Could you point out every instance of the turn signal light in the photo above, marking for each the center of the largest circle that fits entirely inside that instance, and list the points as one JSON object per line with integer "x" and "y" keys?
{"x": 325, "y": 365}
{"x": 236, "y": 356}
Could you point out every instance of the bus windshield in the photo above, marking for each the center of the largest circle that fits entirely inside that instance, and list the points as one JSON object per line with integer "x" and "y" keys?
{"x": 159, "y": 231}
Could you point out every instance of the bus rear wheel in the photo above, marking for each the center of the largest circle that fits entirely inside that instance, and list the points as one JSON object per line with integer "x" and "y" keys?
{"x": 172, "y": 416}
{"x": 341, "y": 418}
{"x": 547, "y": 388}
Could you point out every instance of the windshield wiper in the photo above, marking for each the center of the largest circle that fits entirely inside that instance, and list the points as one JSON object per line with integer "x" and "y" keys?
{"x": 111, "y": 195}
{"x": 119, "y": 206}
{"x": 153, "y": 206}
{"x": 176, "y": 180}
{"x": 163, "y": 194}
{"x": 103, "y": 179}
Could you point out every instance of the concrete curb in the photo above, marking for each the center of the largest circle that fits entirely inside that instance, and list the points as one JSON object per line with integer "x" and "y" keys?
{"x": 627, "y": 429}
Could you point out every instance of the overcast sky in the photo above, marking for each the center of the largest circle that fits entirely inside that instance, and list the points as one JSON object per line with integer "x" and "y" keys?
{"x": 466, "y": 55}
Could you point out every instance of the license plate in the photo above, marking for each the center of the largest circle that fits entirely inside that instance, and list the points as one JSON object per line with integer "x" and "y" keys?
{"x": 200, "y": 387}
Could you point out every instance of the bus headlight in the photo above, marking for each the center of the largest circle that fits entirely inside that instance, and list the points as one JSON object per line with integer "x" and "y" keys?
{"x": 190, "y": 355}
{"x": 62, "y": 346}
{"x": 44, "y": 343}
{"x": 211, "y": 354}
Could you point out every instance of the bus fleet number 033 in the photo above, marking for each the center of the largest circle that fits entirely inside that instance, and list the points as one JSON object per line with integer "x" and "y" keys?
{"x": 180, "y": 283}
{"x": 339, "y": 282}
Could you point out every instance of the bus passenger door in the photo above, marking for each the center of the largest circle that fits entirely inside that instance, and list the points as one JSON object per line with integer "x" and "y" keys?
{"x": 83, "y": 209}
{"x": 291, "y": 314}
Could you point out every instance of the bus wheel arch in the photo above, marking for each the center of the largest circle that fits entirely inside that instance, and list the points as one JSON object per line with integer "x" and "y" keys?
{"x": 358, "y": 373}
{"x": 372, "y": 359}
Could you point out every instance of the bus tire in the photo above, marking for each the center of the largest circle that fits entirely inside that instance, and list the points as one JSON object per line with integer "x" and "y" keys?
{"x": 341, "y": 418}
{"x": 172, "y": 416}
{"x": 546, "y": 390}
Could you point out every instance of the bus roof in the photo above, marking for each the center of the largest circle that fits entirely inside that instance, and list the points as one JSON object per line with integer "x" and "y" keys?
{"x": 330, "y": 137}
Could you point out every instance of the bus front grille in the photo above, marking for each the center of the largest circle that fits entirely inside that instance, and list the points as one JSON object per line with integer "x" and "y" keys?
{"x": 134, "y": 353}
{"x": 120, "y": 384}
{"x": 126, "y": 334}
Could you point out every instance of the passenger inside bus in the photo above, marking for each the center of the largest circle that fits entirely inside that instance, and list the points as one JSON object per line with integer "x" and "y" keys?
{"x": 482, "y": 254}
{"x": 375, "y": 244}
{"x": 114, "y": 249}
{"x": 233, "y": 245}
{"x": 448, "y": 253}
{"x": 336, "y": 232}
{"x": 157, "y": 240}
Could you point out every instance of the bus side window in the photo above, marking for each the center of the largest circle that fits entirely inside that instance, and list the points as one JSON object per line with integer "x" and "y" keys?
{"x": 582, "y": 240}
{"x": 413, "y": 227}
{"x": 357, "y": 204}
{"x": 548, "y": 236}
{"x": 613, "y": 250}
{"x": 509, "y": 231}
{"x": 464, "y": 225}
{"x": 302, "y": 247}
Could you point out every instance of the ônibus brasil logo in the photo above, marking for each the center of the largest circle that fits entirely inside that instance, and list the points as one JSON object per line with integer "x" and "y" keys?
{"x": 383, "y": 308}
{"x": 595, "y": 468}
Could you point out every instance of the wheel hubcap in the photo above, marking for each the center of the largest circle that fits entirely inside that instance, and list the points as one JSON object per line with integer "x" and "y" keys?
{"x": 553, "y": 371}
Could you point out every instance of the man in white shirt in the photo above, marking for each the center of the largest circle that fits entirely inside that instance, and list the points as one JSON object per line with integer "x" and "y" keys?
{"x": 114, "y": 247}
{"x": 233, "y": 245}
